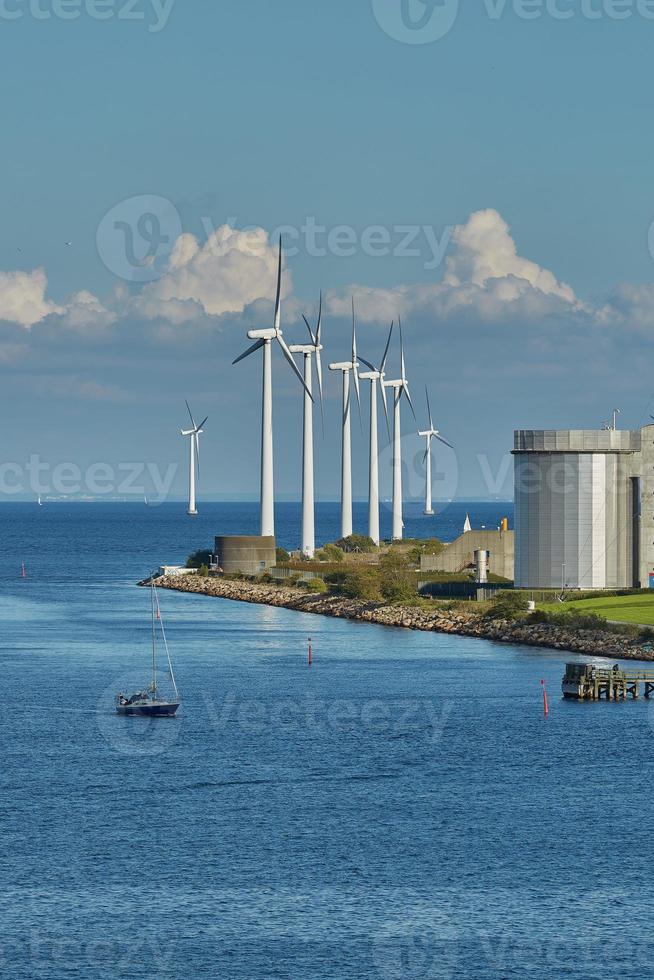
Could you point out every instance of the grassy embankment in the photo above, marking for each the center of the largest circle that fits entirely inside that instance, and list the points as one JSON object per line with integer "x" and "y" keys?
{"x": 636, "y": 608}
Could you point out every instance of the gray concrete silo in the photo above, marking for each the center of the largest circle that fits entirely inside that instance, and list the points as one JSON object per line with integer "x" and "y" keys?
{"x": 577, "y": 508}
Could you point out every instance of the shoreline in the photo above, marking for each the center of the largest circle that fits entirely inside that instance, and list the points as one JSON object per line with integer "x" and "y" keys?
{"x": 438, "y": 620}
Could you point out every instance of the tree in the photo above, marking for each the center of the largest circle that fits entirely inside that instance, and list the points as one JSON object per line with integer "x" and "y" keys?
{"x": 330, "y": 552}
{"x": 356, "y": 543}
{"x": 198, "y": 559}
{"x": 281, "y": 555}
{"x": 361, "y": 583}
{"x": 397, "y": 581}
{"x": 508, "y": 605}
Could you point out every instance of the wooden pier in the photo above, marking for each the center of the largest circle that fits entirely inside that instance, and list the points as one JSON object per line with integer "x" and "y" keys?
{"x": 587, "y": 682}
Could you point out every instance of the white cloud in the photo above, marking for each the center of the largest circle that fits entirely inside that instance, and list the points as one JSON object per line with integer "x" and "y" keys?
{"x": 22, "y": 297}
{"x": 484, "y": 276}
{"x": 231, "y": 271}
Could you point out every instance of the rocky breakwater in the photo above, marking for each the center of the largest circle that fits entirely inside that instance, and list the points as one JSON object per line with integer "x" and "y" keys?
{"x": 438, "y": 619}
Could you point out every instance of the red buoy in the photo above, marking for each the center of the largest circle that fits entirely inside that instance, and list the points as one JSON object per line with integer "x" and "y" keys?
{"x": 546, "y": 707}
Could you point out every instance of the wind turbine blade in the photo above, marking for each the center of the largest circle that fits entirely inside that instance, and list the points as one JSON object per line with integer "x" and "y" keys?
{"x": 259, "y": 344}
{"x": 405, "y": 388}
{"x": 197, "y": 452}
{"x": 191, "y": 415}
{"x": 355, "y": 371}
{"x": 424, "y": 458}
{"x": 319, "y": 376}
{"x": 445, "y": 442}
{"x": 385, "y": 404}
{"x": 278, "y": 301}
{"x": 319, "y": 327}
{"x": 388, "y": 345}
{"x": 431, "y": 424}
{"x": 313, "y": 339}
{"x": 289, "y": 357}
{"x": 402, "y": 364}
{"x": 367, "y": 363}
{"x": 202, "y": 424}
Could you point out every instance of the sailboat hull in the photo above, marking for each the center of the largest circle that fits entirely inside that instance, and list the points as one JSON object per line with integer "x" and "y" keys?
{"x": 150, "y": 709}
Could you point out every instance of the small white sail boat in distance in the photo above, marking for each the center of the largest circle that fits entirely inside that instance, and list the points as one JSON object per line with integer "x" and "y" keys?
{"x": 148, "y": 702}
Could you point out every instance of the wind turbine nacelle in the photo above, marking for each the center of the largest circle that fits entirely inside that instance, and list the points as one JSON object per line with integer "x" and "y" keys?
{"x": 370, "y": 376}
{"x": 303, "y": 349}
{"x": 190, "y": 432}
{"x": 343, "y": 366}
{"x": 268, "y": 334}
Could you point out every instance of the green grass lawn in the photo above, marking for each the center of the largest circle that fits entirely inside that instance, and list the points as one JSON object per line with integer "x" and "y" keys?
{"x": 624, "y": 609}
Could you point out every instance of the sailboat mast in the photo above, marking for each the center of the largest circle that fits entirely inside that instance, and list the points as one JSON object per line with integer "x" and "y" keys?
{"x": 154, "y": 640}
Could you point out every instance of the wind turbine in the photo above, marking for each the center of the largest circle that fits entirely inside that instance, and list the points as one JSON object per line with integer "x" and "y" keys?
{"x": 194, "y": 460}
{"x": 430, "y": 434}
{"x": 347, "y": 367}
{"x": 308, "y": 503}
{"x": 263, "y": 341}
{"x": 400, "y": 387}
{"x": 374, "y": 376}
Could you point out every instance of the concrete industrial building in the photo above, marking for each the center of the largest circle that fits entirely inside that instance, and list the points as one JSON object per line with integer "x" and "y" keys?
{"x": 584, "y": 508}
{"x": 459, "y": 556}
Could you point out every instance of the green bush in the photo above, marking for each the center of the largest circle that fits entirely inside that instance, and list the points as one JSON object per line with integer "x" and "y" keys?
{"x": 361, "y": 583}
{"x": 281, "y": 555}
{"x": 508, "y": 605}
{"x": 356, "y": 543}
{"x": 198, "y": 559}
{"x": 430, "y": 546}
{"x": 397, "y": 582}
{"x": 330, "y": 552}
{"x": 316, "y": 585}
{"x": 203, "y": 570}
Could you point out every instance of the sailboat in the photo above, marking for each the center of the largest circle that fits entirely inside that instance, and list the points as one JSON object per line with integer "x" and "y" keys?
{"x": 148, "y": 702}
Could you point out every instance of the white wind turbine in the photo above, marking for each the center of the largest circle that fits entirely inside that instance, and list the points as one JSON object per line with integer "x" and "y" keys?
{"x": 347, "y": 368}
{"x": 375, "y": 376}
{"x": 263, "y": 341}
{"x": 194, "y": 460}
{"x": 308, "y": 501}
{"x": 400, "y": 387}
{"x": 430, "y": 434}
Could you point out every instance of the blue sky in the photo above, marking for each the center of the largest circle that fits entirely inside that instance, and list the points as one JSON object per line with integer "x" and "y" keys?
{"x": 250, "y": 113}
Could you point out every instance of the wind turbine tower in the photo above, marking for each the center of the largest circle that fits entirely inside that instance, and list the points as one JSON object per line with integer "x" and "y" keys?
{"x": 400, "y": 387}
{"x": 347, "y": 368}
{"x": 263, "y": 341}
{"x": 430, "y": 434}
{"x": 375, "y": 376}
{"x": 308, "y": 498}
{"x": 194, "y": 434}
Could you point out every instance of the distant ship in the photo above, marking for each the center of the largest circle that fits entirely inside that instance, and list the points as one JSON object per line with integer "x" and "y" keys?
{"x": 39, "y": 501}
{"x": 148, "y": 702}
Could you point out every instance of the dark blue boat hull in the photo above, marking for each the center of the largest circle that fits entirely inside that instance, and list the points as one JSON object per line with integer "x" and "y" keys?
{"x": 155, "y": 709}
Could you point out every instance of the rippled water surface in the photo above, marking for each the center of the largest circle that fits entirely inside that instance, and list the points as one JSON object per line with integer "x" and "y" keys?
{"x": 402, "y": 809}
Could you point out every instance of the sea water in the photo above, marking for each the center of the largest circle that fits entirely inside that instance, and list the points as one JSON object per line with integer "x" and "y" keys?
{"x": 400, "y": 809}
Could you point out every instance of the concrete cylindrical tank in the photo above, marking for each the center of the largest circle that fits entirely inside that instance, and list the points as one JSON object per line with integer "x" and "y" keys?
{"x": 574, "y": 508}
